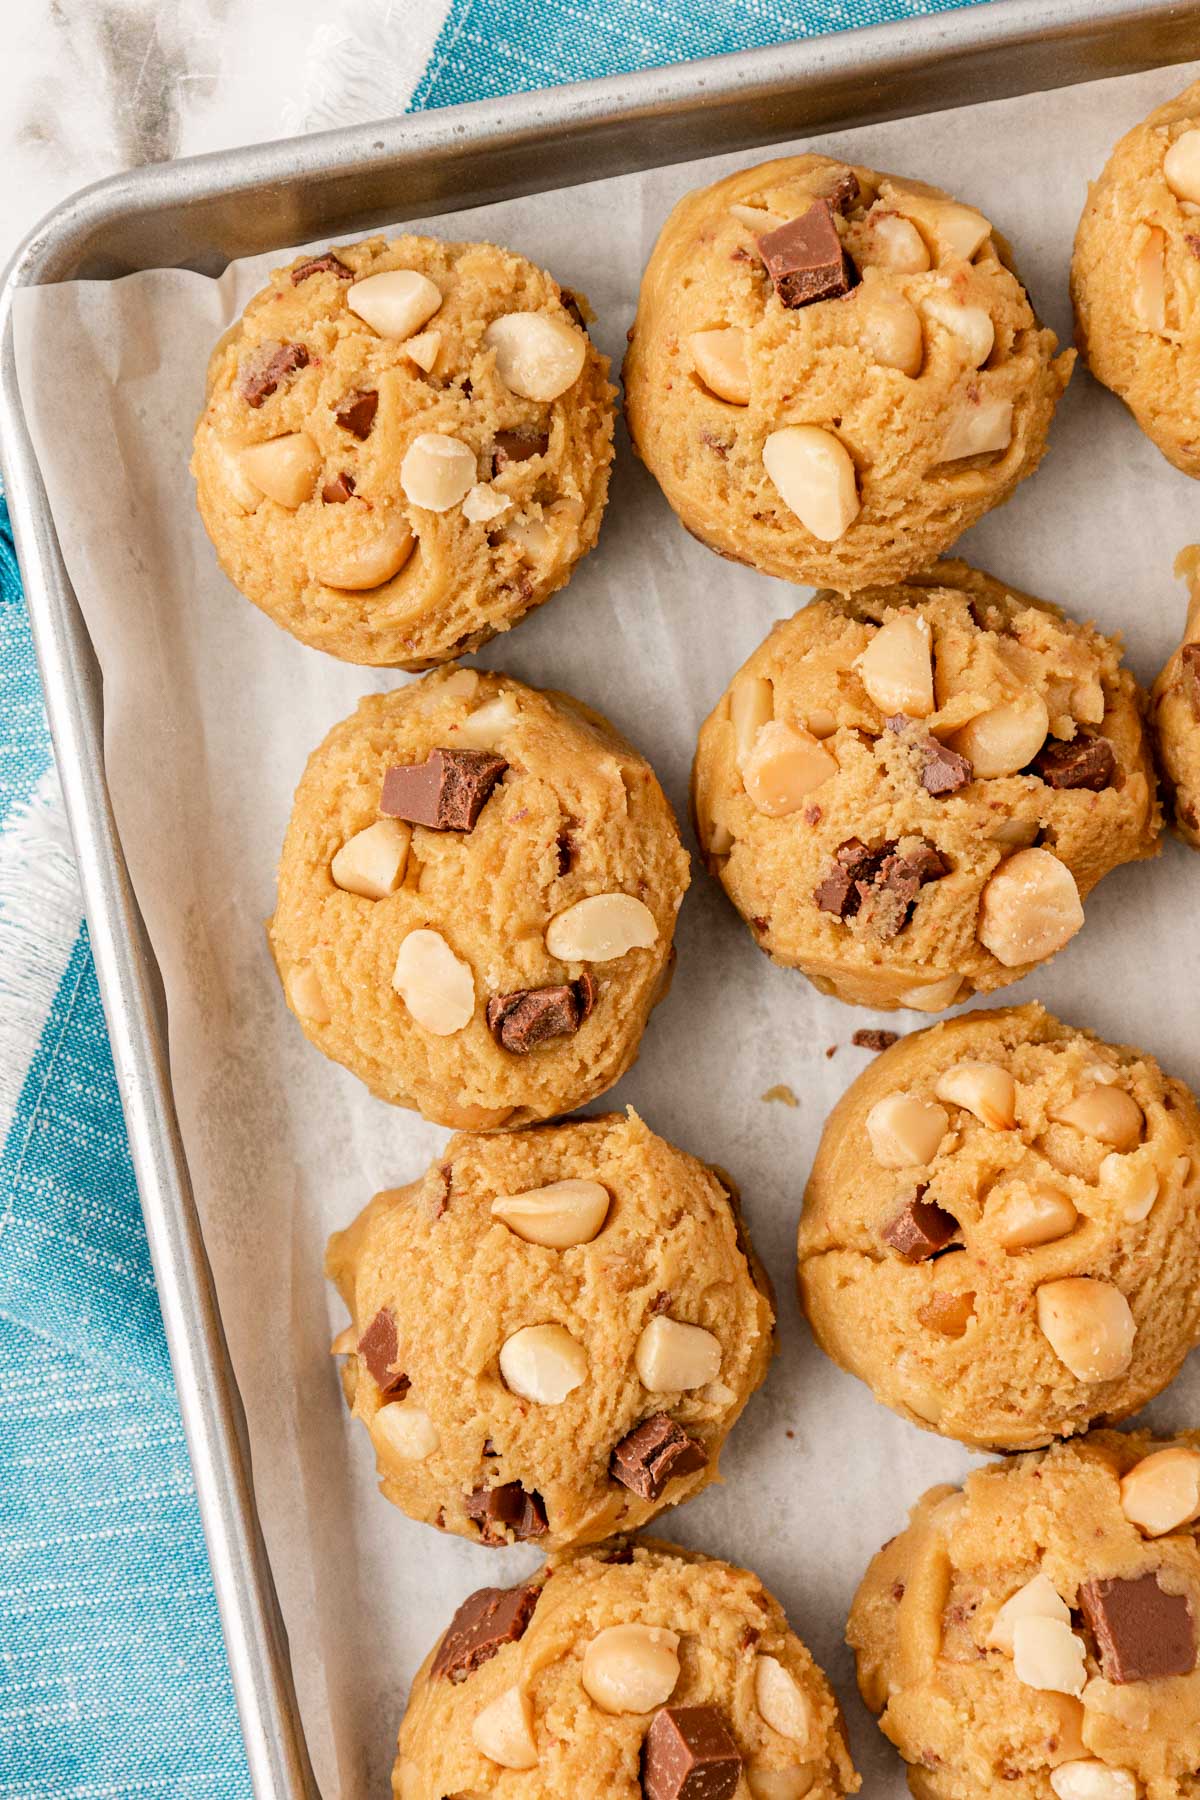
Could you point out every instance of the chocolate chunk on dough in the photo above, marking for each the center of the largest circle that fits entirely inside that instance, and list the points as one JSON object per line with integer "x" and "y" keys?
{"x": 508, "y": 1507}
{"x": 447, "y": 792}
{"x": 521, "y": 1021}
{"x": 271, "y": 364}
{"x": 920, "y": 1229}
{"x": 1142, "y": 1632}
{"x": 805, "y": 259}
{"x": 483, "y": 1624}
{"x": 321, "y": 265}
{"x": 690, "y": 1754}
{"x": 357, "y": 412}
{"x": 1086, "y": 762}
{"x": 379, "y": 1350}
{"x": 653, "y": 1453}
{"x": 517, "y": 446}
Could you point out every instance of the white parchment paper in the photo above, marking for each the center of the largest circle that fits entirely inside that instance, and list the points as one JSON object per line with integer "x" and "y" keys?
{"x": 210, "y": 712}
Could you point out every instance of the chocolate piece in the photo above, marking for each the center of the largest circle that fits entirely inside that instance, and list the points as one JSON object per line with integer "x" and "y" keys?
{"x": 690, "y": 1754}
{"x": 1189, "y": 663}
{"x": 844, "y": 192}
{"x": 379, "y": 1349}
{"x": 661, "y": 1302}
{"x": 507, "y": 1507}
{"x": 321, "y": 265}
{"x": 853, "y": 863}
{"x": 943, "y": 771}
{"x": 517, "y": 446}
{"x": 880, "y": 884}
{"x": 1141, "y": 1631}
{"x": 267, "y": 367}
{"x": 805, "y": 259}
{"x": 1086, "y": 762}
{"x": 653, "y": 1453}
{"x": 357, "y": 412}
{"x": 483, "y": 1624}
{"x": 447, "y": 792}
{"x": 871, "y": 1039}
{"x": 339, "y": 489}
{"x": 920, "y": 1229}
{"x": 521, "y": 1021}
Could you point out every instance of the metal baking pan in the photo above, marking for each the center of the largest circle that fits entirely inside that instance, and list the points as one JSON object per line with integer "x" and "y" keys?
{"x": 202, "y": 213}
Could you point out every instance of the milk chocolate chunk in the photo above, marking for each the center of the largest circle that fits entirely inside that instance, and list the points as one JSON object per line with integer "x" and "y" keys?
{"x": 1189, "y": 668}
{"x": 357, "y": 412}
{"x": 508, "y": 1507}
{"x": 882, "y": 885}
{"x": 321, "y": 265}
{"x": 521, "y": 1021}
{"x": 871, "y": 1039}
{"x": 690, "y": 1754}
{"x": 653, "y": 1453}
{"x": 447, "y": 792}
{"x": 379, "y": 1350}
{"x": 268, "y": 366}
{"x": 1086, "y": 762}
{"x": 483, "y": 1624}
{"x": 943, "y": 771}
{"x": 339, "y": 489}
{"x": 805, "y": 259}
{"x": 840, "y": 892}
{"x": 517, "y": 446}
{"x": 1142, "y": 1632}
{"x": 920, "y": 1229}
{"x": 845, "y": 191}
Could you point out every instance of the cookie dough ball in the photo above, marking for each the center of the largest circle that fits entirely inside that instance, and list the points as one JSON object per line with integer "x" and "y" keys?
{"x": 477, "y": 896}
{"x": 554, "y": 1331}
{"x": 909, "y": 793}
{"x": 1001, "y": 1231}
{"x": 1135, "y": 277}
{"x": 640, "y": 1672}
{"x": 1035, "y": 1634}
{"x": 833, "y": 372}
{"x": 1175, "y": 714}
{"x": 405, "y": 447}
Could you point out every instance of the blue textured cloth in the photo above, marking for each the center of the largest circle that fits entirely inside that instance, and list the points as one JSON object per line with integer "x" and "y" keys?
{"x": 113, "y": 1679}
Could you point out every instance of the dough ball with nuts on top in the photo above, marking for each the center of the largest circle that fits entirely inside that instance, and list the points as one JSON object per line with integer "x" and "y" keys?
{"x": 908, "y": 793}
{"x": 1175, "y": 713}
{"x": 1135, "y": 277}
{"x": 553, "y": 1331}
{"x": 405, "y": 446}
{"x": 1001, "y": 1230}
{"x": 833, "y": 372}
{"x": 637, "y": 1671}
{"x": 1035, "y": 1633}
{"x": 477, "y": 897}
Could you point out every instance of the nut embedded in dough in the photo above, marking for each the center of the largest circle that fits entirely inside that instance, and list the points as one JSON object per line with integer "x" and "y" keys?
{"x": 1001, "y": 1291}
{"x": 355, "y": 416}
{"x": 834, "y": 372}
{"x": 609, "y": 1668}
{"x": 502, "y": 1371}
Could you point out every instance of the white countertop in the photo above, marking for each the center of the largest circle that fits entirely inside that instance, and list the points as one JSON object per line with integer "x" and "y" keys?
{"x": 94, "y": 86}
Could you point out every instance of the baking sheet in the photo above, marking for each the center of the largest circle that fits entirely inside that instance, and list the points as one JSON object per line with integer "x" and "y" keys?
{"x": 210, "y": 712}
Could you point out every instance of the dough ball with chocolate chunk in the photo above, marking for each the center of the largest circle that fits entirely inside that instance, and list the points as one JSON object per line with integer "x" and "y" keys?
{"x": 834, "y": 372}
{"x": 1034, "y": 1633}
{"x": 1001, "y": 1230}
{"x": 909, "y": 792}
{"x": 1175, "y": 713}
{"x": 477, "y": 897}
{"x": 637, "y": 1671}
{"x": 553, "y": 1331}
{"x": 1135, "y": 277}
{"x": 405, "y": 447}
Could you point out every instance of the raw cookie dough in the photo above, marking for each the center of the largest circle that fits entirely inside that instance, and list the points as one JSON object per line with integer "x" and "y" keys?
{"x": 405, "y": 447}
{"x": 1135, "y": 277}
{"x": 521, "y": 1312}
{"x": 1175, "y": 713}
{"x": 497, "y": 962}
{"x": 620, "y": 1672}
{"x": 1034, "y": 1635}
{"x": 1001, "y": 1231}
{"x": 909, "y": 792}
{"x": 831, "y": 436}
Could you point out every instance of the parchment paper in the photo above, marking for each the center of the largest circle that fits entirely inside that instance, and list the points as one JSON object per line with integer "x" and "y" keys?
{"x": 210, "y": 713}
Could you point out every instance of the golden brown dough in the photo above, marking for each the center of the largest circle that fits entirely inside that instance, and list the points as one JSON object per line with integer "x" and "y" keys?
{"x": 1175, "y": 713}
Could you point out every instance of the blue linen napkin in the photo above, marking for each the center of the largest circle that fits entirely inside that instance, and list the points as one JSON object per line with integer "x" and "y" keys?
{"x": 113, "y": 1679}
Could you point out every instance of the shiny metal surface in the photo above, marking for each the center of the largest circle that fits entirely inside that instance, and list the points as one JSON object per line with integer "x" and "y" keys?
{"x": 204, "y": 212}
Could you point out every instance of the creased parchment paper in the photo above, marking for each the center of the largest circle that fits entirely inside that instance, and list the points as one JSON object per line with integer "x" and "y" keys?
{"x": 210, "y": 712}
